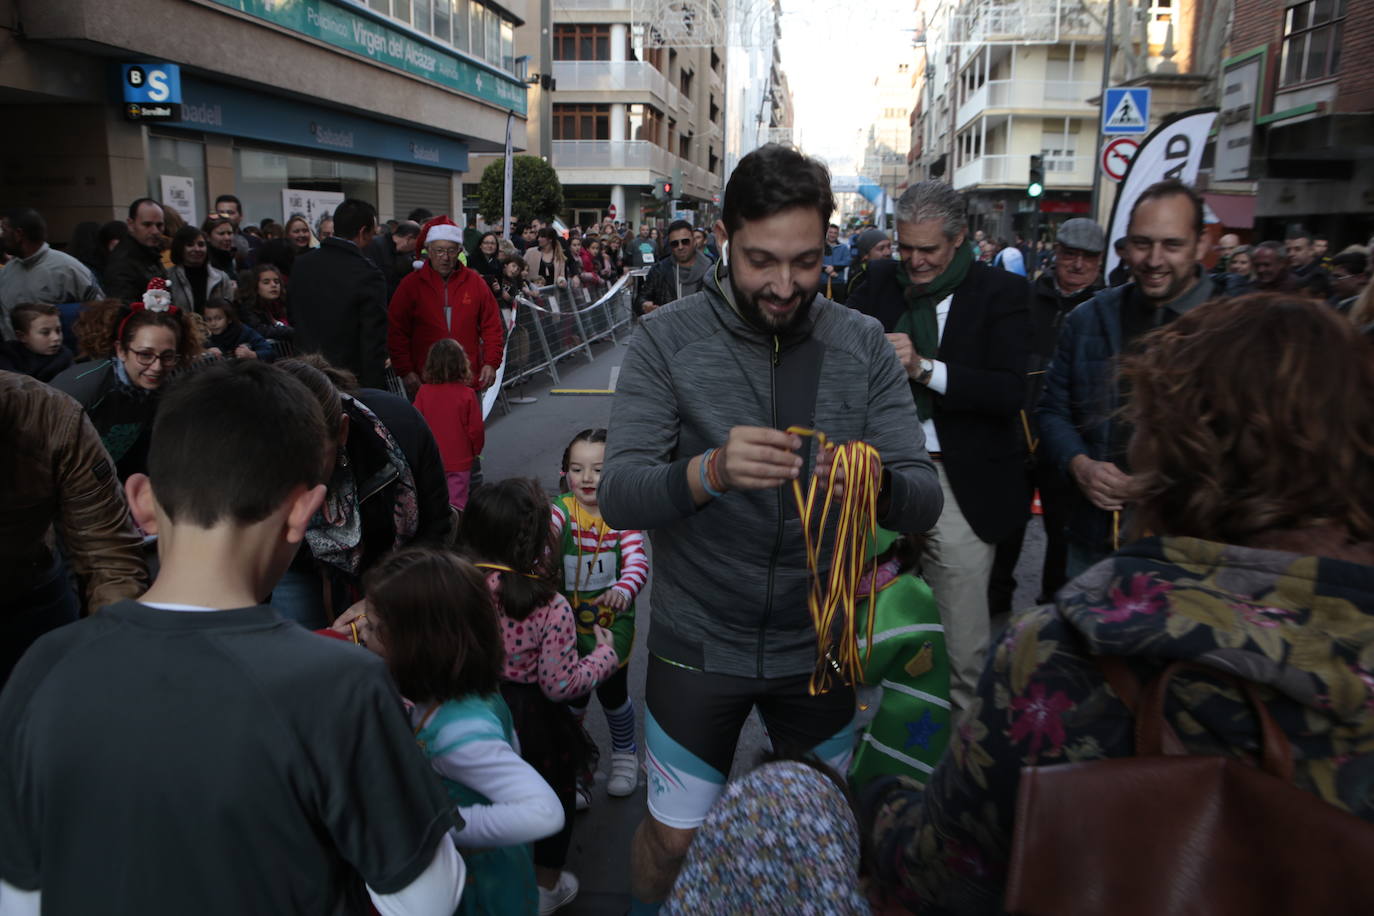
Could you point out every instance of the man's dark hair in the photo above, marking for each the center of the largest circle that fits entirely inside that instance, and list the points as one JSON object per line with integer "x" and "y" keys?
{"x": 353, "y": 216}
{"x": 1297, "y": 231}
{"x": 774, "y": 178}
{"x": 267, "y": 433}
{"x": 185, "y": 236}
{"x": 420, "y": 215}
{"x": 1171, "y": 187}
{"x": 677, "y": 225}
{"x": 1352, "y": 262}
{"x": 230, "y": 198}
{"x": 133, "y": 207}
{"x": 266, "y": 221}
{"x": 406, "y": 228}
{"x": 439, "y": 623}
{"x": 1319, "y": 237}
{"x": 28, "y": 221}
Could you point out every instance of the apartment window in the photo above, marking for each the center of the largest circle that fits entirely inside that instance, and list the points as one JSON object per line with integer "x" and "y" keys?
{"x": 460, "y": 25}
{"x": 581, "y": 42}
{"x": 712, "y": 161}
{"x": 582, "y": 122}
{"x": 684, "y": 83}
{"x": 476, "y": 33}
{"x": 715, "y": 110}
{"x": 1311, "y": 41}
{"x": 684, "y": 146}
{"x": 646, "y": 123}
{"x": 442, "y": 29}
{"x": 715, "y": 62}
{"x": 422, "y": 16}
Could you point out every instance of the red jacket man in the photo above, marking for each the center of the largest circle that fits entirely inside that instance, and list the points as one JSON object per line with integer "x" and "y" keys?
{"x": 443, "y": 299}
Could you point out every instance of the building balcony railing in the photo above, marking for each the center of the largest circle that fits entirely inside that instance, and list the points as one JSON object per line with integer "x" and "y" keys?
{"x": 1028, "y": 21}
{"x": 1068, "y": 96}
{"x": 594, "y": 4}
{"x": 610, "y": 76}
{"x": 613, "y": 154}
{"x": 1013, "y": 169}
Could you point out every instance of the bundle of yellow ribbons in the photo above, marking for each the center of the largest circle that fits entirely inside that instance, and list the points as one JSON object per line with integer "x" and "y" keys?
{"x": 833, "y": 603}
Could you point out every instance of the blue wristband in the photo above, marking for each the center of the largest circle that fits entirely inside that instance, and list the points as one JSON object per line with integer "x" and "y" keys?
{"x": 705, "y": 479}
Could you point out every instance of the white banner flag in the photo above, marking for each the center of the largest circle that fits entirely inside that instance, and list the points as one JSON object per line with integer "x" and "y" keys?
{"x": 1174, "y": 150}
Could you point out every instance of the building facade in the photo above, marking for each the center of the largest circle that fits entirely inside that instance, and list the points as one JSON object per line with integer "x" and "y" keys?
{"x": 284, "y": 105}
{"x": 1300, "y": 114}
{"x": 619, "y": 113}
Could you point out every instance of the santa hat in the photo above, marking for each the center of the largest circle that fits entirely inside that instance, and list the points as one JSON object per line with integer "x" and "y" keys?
{"x": 439, "y": 229}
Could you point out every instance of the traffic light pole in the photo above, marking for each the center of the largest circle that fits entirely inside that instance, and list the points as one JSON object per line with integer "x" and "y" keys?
{"x": 1108, "y": 46}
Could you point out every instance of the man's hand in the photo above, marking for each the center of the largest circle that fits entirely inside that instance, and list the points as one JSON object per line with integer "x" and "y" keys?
{"x": 412, "y": 383}
{"x": 213, "y": 351}
{"x": 1103, "y": 483}
{"x": 486, "y": 377}
{"x": 829, "y": 270}
{"x": 648, "y": 307}
{"x": 906, "y": 354}
{"x": 826, "y": 471}
{"x": 758, "y": 458}
{"x": 243, "y": 351}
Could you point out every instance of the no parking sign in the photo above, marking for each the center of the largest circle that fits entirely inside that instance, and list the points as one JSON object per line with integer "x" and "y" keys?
{"x": 1117, "y": 156}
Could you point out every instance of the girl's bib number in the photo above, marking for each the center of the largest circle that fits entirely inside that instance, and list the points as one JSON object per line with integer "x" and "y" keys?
{"x": 589, "y": 572}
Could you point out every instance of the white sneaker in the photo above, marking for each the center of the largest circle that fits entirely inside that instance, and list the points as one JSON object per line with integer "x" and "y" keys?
{"x": 584, "y": 798}
{"x": 624, "y": 775}
{"x": 563, "y": 893}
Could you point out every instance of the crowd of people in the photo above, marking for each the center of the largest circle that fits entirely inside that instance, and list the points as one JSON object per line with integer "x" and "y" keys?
{"x": 261, "y": 607}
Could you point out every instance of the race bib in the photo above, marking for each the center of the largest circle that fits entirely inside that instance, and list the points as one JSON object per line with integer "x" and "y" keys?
{"x": 591, "y": 572}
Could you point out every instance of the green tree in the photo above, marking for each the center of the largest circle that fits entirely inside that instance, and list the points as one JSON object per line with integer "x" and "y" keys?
{"x": 535, "y": 190}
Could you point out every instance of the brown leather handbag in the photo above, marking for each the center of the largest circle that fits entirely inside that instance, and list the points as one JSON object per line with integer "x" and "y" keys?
{"x": 1166, "y": 832}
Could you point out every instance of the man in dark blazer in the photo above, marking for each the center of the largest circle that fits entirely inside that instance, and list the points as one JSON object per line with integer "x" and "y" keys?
{"x": 962, "y": 331}
{"x": 337, "y": 301}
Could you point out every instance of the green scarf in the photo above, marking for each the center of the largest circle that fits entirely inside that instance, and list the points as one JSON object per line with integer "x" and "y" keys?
{"x": 918, "y": 321}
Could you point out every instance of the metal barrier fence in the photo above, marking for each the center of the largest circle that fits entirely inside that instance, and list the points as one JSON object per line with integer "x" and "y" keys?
{"x": 559, "y": 322}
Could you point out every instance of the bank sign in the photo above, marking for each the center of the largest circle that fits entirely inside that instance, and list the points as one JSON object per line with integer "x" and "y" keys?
{"x": 350, "y": 31}
{"x": 152, "y": 91}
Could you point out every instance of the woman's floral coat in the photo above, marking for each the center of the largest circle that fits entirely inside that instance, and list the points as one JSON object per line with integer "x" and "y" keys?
{"x": 1301, "y": 626}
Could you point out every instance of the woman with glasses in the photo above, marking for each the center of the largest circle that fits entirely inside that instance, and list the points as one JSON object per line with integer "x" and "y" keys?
{"x": 133, "y": 351}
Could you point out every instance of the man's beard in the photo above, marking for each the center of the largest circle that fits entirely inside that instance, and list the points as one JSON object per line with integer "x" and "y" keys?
{"x": 751, "y": 306}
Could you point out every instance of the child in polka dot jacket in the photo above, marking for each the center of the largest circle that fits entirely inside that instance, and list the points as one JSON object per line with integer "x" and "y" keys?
{"x": 505, "y": 529}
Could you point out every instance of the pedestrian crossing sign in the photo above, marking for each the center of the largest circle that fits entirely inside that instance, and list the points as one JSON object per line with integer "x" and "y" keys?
{"x": 1126, "y": 111}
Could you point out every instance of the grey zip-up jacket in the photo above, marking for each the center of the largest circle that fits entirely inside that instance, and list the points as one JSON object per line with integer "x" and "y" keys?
{"x": 730, "y": 578}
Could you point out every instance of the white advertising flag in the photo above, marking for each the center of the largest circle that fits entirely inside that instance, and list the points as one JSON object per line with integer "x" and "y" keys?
{"x": 1173, "y": 150}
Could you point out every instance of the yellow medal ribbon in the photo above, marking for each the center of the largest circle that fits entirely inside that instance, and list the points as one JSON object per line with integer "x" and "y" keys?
{"x": 835, "y": 601}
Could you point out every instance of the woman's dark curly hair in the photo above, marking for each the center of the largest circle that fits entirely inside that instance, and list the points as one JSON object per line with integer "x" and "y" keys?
{"x": 1253, "y": 415}
{"x": 98, "y": 322}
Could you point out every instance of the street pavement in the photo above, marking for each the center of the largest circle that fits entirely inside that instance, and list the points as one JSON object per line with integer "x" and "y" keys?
{"x": 529, "y": 441}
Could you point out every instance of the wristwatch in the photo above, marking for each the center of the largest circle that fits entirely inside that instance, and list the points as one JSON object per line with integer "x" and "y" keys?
{"x": 927, "y": 370}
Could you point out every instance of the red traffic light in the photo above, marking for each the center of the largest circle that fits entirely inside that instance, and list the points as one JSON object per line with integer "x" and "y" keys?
{"x": 667, "y": 187}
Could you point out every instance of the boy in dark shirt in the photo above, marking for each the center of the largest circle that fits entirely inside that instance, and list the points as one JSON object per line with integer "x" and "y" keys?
{"x": 37, "y": 349}
{"x": 193, "y": 752}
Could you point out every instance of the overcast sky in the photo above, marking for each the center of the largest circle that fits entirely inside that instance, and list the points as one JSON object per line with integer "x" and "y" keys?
{"x": 831, "y": 51}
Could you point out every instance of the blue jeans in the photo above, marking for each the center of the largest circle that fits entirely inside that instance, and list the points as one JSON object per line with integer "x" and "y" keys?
{"x": 299, "y": 596}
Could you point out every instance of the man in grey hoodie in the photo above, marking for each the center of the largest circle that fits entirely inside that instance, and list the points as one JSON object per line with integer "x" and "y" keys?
{"x": 698, "y": 455}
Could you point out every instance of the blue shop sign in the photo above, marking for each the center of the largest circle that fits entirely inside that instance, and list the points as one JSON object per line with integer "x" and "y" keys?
{"x": 364, "y": 33}
{"x": 250, "y": 115}
{"x": 159, "y": 84}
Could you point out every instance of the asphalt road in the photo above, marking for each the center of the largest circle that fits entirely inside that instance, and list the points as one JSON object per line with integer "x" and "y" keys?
{"x": 529, "y": 441}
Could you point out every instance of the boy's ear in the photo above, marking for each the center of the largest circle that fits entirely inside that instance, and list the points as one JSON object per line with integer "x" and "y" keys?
{"x": 304, "y": 505}
{"x": 138, "y": 490}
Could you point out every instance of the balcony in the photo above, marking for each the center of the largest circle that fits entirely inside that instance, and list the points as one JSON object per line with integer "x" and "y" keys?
{"x": 603, "y": 155}
{"x": 1027, "y": 21}
{"x": 610, "y": 76}
{"x": 1048, "y": 96}
{"x": 1013, "y": 170}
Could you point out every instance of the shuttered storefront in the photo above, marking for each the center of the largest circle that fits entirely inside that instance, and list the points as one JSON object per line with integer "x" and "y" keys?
{"x": 431, "y": 189}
